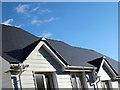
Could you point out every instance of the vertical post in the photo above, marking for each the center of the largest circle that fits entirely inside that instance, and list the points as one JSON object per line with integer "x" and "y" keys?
{"x": 44, "y": 81}
{"x": 34, "y": 78}
{"x": 94, "y": 75}
{"x": 55, "y": 80}
{"x": 84, "y": 80}
{"x": 110, "y": 84}
{"x": 20, "y": 67}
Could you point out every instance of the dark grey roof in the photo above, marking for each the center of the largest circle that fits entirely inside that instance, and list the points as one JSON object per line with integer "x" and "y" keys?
{"x": 17, "y": 45}
{"x": 113, "y": 64}
{"x": 76, "y": 56}
{"x": 15, "y": 42}
{"x": 97, "y": 62}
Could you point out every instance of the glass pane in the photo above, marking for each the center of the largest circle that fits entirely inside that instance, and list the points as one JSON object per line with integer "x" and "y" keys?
{"x": 80, "y": 81}
{"x": 40, "y": 82}
{"x": 15, "y": 84}
{"x": 49, "y": 82}
{"x": 74, "y": 82}
{"x": 105, "y": 85}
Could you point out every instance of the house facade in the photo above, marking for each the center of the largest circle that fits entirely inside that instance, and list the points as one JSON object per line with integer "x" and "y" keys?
{"x": 28, "y": 61}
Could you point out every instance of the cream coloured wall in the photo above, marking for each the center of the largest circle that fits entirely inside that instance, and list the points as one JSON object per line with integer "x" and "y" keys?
{"x": 5, "y": 76}
{"x": 41, "y": 61}
{"x": 106, "y": 75}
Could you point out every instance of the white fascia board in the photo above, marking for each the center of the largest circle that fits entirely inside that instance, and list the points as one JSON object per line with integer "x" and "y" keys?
{"x": 78, "y": 70}
{"x": 104, "y": 62}
{"x": 110, "y": 68}
{"x": 81, "y": 67}
{"x": 40, "y": 44}
{"x": 54, "y": 49}
{"x": 100, "y": 66}
{"x": 53, "y": 54}
{"x": 35, "y": 50}
{"x": 45, "y": 71}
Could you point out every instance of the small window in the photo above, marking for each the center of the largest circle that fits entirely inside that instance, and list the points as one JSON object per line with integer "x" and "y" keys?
{"x": 15, "y": 83}
{"x": 44, "y": 81}
{"x": 77, "y": 81}
{"x": 105, "y": 85}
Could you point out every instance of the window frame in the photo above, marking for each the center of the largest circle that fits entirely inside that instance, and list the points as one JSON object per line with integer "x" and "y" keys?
{"x": 82, "y": 79}
{"x": 14, "y": 82}
{"x": 53, "y": 78}
{"x": 107, "y": 83}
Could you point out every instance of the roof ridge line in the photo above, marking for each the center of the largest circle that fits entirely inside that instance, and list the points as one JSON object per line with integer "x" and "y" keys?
{"x": 20, "y": 29}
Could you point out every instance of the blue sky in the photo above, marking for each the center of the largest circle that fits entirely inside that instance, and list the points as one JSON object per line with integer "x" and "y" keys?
{"x": 91, "y": 25}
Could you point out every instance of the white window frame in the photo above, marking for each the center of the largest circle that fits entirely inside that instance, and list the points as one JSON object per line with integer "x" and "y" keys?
{"x": 79, "y": 82}
{"x": 18, "y": 81}
{"x": 44, "y": 81}
{"x": 14, "y": 83}
{"x": 54, "y": 79}
{"x": 108, "y": 86}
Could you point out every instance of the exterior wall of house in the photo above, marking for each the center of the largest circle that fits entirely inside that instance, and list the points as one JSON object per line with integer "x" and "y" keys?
{"x": 43, "y": 62}
{"x": 105, "y": 75}
{"x": 37, "y": 63}
{"x": 115, "y": 84}
{"x": 5, "y": 76}
{"x": 64, "y": 81}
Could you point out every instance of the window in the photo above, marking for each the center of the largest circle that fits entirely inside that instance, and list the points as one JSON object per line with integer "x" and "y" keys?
{"x": 77, "y": 81}
{"x": 15, "y": 83}
{"x": 105, "y": 85}
{"x": 44, "y": 81}
{"x": 119, "y": 84}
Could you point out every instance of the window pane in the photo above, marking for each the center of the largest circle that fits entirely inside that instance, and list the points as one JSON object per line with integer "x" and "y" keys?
{"x": 105, "y": 85}
{"x": 80, "y": 81}
{"x": 40, "y": 82}
{"x": 44, "y": 81}
{"x": 49, "y": 82}
{"x": 15, "y": 84}
{"x": 74, "y": 81}
{"x": 77, "y": 81}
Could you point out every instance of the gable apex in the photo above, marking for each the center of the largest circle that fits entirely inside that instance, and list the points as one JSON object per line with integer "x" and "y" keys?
{"x": 48, "y": 49}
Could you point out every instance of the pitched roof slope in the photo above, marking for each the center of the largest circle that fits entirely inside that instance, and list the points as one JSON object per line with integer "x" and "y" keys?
{"x": 76, "y": 56}
{"x": 17, "y": 45}
{"x": 14, "y": 40}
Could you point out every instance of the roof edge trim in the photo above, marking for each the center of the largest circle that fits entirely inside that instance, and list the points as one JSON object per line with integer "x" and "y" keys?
{"x": 81, "y": 67}
{"x": 44, "y": 40}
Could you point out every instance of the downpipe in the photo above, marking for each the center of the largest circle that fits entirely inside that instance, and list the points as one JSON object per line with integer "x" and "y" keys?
{"x": 20, "y": 67}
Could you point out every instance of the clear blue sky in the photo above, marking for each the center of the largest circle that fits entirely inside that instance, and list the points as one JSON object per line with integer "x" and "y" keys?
{"x": 87, "y": 25}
